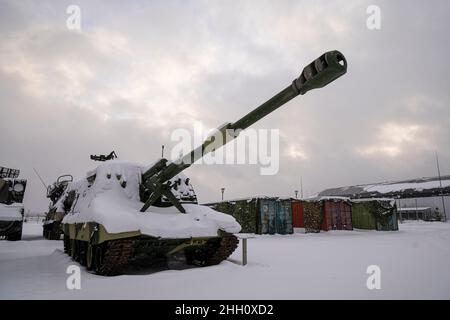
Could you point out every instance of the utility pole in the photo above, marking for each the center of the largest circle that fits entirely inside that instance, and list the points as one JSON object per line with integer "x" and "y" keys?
{"x": 417, "y": 214}
{"x": 400, "y": 212}
{"x": 222, "y": 190}
{"x": 301, "y": 187}
{"x": 440, "y": 185}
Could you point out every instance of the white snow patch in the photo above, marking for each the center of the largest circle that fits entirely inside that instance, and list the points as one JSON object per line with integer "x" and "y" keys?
{"x": 382, "y": 200}
{"x": 330, "y": 265}
{"x": 12, "y": 212}
{"x": 397, "y": 187}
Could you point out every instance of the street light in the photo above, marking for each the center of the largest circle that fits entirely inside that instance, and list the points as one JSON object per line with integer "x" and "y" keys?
{"x": 223, "y": 190}
{"x": 296, "y": 193}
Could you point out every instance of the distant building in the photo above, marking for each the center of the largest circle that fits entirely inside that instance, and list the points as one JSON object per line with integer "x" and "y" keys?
{"x": 410, "y": 195}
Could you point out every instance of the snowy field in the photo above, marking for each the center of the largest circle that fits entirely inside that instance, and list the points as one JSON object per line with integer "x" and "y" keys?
{"x": 414, "y": 262}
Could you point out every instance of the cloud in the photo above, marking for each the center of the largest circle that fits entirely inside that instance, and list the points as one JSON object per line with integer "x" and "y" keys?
{"x": 137, "y": 71}
{"x": 394, "y": 138}
{"x": 297, "y": 153}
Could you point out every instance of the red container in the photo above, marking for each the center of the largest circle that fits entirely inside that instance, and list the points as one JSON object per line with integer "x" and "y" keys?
{"x": 337, "y": 215}
{"x": 297, "y": 214}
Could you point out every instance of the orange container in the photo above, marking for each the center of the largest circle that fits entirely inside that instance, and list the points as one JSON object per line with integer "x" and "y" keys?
{"x": 297, "y": 214}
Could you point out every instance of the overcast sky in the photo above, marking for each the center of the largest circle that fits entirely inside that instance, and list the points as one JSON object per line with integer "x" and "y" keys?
{"x": 137, "y": 70}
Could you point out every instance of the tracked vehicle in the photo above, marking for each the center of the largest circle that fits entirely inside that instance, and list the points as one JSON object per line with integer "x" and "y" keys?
{"x": 12, "y": 191}
{"x": 124, "y": 213}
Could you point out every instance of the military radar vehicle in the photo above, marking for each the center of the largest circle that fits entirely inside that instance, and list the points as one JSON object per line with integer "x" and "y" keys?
{"x": 124, "y": 213}
{"x": 51, "y": 227}
{"x": 12, "y": 191}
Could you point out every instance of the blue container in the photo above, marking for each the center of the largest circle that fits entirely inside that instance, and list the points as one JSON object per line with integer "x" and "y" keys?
{"x": 275, "y": 216}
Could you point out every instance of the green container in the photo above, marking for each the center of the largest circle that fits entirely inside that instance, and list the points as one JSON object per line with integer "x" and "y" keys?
{"x": 244, "y": 211}
{"x": 261, "y": 215}
{"x": 374, "y": 214}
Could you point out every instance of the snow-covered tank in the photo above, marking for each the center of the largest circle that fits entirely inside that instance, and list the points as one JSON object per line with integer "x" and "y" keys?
{"x": 105, "y": 230}
{"x": 51, "y": 227}
{"x": 124, "y": 213}
{"x": 12, "y": 191}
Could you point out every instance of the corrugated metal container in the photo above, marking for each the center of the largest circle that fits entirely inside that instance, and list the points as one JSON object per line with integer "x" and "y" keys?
{"x": 337, "y": 214}
{"x": 246, "y": 213}
{"x": 313, "y": 214}
{"x": 388, "y": 222}
{"x": 262, "y": 215}
{"x": 284, "y": 217}
{"x": 375, "y": 214}
{"x": 362, "y": 217}
{"x": 268, "y": 212}
{"x": 297, "y": 214}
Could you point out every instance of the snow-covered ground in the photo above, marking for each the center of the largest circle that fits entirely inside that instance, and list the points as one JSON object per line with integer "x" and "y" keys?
{"x": 414, "y": 262}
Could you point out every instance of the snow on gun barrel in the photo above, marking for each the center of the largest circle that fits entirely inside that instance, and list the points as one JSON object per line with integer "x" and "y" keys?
{"x": 123, "y": 213}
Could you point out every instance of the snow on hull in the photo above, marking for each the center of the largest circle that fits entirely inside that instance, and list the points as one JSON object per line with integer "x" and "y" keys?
{"x": 11, "y": 212}
{"x": 113, "y": 201}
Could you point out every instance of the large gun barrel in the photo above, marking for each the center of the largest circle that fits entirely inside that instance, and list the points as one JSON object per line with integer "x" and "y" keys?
{"x": 325, "y": 69}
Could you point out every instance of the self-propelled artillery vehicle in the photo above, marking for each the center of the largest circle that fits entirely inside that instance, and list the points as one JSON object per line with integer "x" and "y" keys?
{"x": 124, "y": 213}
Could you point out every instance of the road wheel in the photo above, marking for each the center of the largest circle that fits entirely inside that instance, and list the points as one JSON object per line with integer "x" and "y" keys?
{"x": 15, "y": 236}
{"x": 74, "y": 251}
{"x": 66, "y": 242}
{"x": 82, "y": 245}
{"x": 90, "y": 257}
{"x": 98, "y": 259}
{"x": 55, "y": 232}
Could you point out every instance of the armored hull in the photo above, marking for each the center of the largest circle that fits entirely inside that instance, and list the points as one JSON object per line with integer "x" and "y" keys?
{"x": 11, "y": 221}
{"x": 12, "y": 191}
{"x": 51, "y": 227}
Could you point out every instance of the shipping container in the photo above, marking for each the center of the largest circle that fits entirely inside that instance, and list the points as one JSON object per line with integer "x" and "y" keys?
{"x": 362, "y": 216}
{"x": 375, "y": 214}
{"x": 284, "y": 217}
{"x": 297, "y": 214}
{"x": 261, "y": 215}
{"x": 245, "y": 211}
{"x": 268, "y": 212}
{"x": 313, "y": 215}
{"x": 337, "y": 214}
